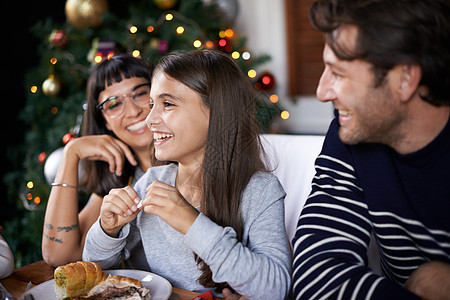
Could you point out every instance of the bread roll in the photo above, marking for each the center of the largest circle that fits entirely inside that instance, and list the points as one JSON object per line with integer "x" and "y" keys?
{"x": 77, "y": 279}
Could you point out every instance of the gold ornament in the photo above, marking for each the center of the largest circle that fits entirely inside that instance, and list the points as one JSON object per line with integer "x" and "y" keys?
{"x": 85, "y": 13}
{"x": 165, "y": 4}
{"x": 51, "y": 86}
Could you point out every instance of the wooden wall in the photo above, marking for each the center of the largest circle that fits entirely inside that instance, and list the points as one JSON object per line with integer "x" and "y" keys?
{"x": 305, "y": 46}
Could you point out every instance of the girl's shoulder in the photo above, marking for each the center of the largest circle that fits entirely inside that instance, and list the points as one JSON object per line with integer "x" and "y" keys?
{"x": 263, "y": 189}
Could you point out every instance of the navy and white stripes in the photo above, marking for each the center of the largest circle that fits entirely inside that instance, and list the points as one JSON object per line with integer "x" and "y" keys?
{"x": 364, "y": 190}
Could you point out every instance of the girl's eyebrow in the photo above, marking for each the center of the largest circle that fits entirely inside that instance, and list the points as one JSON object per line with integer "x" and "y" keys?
{"x": 167, "y": 95}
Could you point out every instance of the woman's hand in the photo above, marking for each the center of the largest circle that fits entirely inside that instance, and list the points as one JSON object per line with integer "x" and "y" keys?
{"x": 119, "y": 207}
{"x": 104, "y": 148}
{"x": 167, "y": 202}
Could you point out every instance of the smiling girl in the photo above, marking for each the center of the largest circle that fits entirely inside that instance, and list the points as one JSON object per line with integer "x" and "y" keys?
{"x": 215, "y": 219}
{"x": 114, "y": 148}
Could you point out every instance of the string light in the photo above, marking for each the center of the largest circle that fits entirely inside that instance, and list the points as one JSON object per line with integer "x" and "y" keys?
{"x": 110, "y": 54}
{"x": 133, "y": 29}
{"x": 29, "y": 196}
{"x": 209, "y": 44}
{"x": 197, "y": 43}
{"x": 180, "y": 29}
{"x": 251, "y": 73}
{"x": 37, "y": 200}
{"x": 169, "y": 17}
{"x": 284, "y": 115}
{"x": 98, "y": 58}
{"x": 222, "y": 34}
{"x": 30, "y": 184}
{"x": 273, "y": 98}
{"x": 222, "y": 42}
{"x": 53, "y": 60}
{"x": 229, "y": 33}
{"x": 41, "y": 157}
{"x": 235, "y": 55}
{"x": 150, "y": 28}
{"x": 33, "y": 89}
{"x": 54, "y": 110}
{"x": 246, "y": 55}
{"x": 136, "y": 53}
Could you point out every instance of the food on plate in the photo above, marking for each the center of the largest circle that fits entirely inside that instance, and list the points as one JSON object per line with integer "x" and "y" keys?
{"x": 117, "y": 287}
{"x": 77, "y": 279}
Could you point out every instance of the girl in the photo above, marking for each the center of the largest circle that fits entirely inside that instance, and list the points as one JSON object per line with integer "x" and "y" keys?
{"x": 114, "y": 146}
{"x": 215, "y": 219}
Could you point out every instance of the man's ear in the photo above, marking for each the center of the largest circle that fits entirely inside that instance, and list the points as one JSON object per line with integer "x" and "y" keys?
{"x": 108, "y": 126}
{"x": 410, "y": 76}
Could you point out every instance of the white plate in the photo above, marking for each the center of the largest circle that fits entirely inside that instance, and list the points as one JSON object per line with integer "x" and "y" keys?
{"x": 159, "y": 287}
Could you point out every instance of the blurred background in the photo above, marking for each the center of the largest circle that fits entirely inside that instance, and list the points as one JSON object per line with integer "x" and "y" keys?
{"x": 51, "y": 46}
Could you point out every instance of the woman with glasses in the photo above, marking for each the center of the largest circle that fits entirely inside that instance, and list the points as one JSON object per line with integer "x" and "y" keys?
{"x": 114, "y": 149}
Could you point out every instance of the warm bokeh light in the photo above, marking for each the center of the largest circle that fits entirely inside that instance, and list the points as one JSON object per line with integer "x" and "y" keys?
{"x": 150, "y": 28}
{"x": 37, "y": 200}
{"x": 180, "y": 29}
{"x": 273, "y": 98}
{"x": 169, "y": 17}
{"x": 30, "y": 184}
{"x": 229, "y": 33}
{"x": 136, "y": 53}
{"x": 251, "y": 73}
{"x": 133, "y": 29}
{"x": 284, "y": 115}
{"x": 53, "y": 60}
{"x": 235, "y": 55}
{"x": 197, "y": 43}
{"x": 246, "y": 55}
{"x": 33, "y": 89}
{"x": 98, "y": 58}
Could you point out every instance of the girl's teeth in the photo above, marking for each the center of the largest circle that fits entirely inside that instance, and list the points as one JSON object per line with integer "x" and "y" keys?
{"x": 161, "y": 136}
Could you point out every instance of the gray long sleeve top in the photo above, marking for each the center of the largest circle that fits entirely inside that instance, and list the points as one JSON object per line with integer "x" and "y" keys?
{"x": 258, "y": 267}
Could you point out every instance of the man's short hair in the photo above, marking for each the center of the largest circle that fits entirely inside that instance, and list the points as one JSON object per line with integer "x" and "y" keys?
{"x": 392, "y": 32}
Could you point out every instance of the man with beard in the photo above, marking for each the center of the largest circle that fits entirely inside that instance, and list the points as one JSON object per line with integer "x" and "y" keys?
{"x": 383, "y": 169}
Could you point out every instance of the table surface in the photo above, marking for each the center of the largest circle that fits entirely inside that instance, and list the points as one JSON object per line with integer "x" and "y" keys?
{"x": 39, "y": 272}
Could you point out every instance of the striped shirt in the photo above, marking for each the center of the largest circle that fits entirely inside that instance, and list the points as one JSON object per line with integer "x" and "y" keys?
{"x": 403, "y": 200}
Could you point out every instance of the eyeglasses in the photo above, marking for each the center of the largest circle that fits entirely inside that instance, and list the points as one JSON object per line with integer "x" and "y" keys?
{"x": 115, "y": 106}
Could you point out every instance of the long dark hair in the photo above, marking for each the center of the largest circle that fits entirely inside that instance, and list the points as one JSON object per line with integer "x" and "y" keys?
{"x": 392, "y": 33}
{"x": 96, "y": 175}
{"x": 232, "y": 153}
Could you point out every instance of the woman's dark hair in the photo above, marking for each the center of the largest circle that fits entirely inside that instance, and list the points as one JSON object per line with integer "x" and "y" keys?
{"x": 392, "y": 32}
{"x": 232, "y": 153}
{"x": 96, "y": 175}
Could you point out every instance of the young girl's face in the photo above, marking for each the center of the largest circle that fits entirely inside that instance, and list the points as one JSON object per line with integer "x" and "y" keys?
{"x": 179, "y": 121}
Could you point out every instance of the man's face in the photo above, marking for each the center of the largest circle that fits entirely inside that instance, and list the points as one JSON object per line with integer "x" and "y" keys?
{"x": 366, "y": 113}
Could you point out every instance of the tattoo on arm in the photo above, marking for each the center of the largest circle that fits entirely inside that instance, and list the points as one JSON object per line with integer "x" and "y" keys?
{"x": 48, "y": 226}
{"x": 53, "y": 239}
{"x": 67, "y": 228}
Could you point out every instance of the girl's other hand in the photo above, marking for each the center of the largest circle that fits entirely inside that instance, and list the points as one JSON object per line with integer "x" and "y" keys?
{"x": 167, "y": 202}
{"x": 119, "y": 207}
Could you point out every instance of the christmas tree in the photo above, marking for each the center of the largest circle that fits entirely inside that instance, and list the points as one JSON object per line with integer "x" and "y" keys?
{"x": 94, "y": 31}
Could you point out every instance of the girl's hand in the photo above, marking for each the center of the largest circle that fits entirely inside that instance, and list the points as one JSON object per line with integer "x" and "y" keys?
{"x": 119, "y": 207}
{"x": 104, "y": 148}
{"x": 167, "y": 202}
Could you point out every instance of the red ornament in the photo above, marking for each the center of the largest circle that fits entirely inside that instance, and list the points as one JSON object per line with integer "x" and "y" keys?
{"x": 41, "y": 157}
{"x": 58, "y": 37}
{"x": 266, "y": 82}
{"x": 68, "y": 137}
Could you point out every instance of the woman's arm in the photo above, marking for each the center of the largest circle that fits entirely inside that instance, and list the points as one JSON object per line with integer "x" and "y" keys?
{"x": 64, "y": 228}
